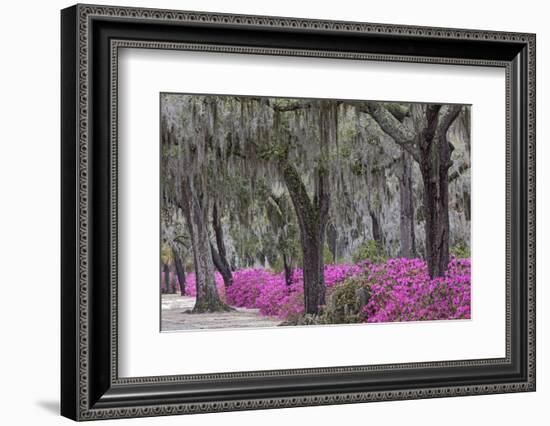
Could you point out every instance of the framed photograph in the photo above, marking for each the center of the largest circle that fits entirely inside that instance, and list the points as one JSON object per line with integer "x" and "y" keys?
{"x": 263, "y": 212}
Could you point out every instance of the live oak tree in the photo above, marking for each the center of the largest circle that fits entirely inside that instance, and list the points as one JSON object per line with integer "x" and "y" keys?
{"x": 428, "y": 144}
{"x": 406, "y": 199}
{"x": 186, "y": 142}
{"x": 285, "y": 229}
{"x": 194, "y": 207}
{"x": 311, "y": 207}
{"x": 219, "y": 192}
{"x": 376, "y": 160}
{"x": 313, "y": 211}
{"x": 219, "y": 253}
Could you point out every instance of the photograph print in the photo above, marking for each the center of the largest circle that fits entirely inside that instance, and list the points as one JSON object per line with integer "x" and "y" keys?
{"x": 312, "y": 212}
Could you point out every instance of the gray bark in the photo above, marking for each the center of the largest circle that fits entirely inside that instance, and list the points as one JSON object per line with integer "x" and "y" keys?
{"x": 208, "y": 299}
{"x": 432, "y": 126}
{"x": 288, "y": 270}
{"x": 167, "y": 284}
{"x": 313, "y": 213}
{"x": 406, "y": 224}
{"x": 312, "y": 222}
{"x": 180, "y": 270}
{"x": 219, "y": 255}
{"x": 222, "y": 268}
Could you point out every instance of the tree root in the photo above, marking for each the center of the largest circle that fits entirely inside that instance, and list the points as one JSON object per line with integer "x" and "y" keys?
{"x": 203, "y": 308}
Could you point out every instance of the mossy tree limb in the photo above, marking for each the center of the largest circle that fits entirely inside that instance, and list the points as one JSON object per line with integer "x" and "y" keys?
{"x": 219, "y": 254}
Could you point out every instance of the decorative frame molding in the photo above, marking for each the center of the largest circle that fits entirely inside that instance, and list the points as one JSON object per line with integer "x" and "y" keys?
{"x": 91, "y": 388}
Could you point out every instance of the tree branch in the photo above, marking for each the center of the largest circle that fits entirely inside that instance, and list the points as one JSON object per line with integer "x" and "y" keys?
{"x": 388, "y": 122}
{"x": 391, "y": 125}
{"x": 292, "y": 107}
{"x": 284, "y": 106}
{"x": 432, "y": 121}
{"x": 399, "y": 111}
{"x": 447, "y": 117}
{"x": 298, "y": 194}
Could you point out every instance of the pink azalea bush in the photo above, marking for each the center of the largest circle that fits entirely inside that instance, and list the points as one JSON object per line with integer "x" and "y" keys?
{"x": 398, "y": 289}
{"x": 190, "y": 283}
{"x": 269, "y": 292}
{"x": 401, "y": 290}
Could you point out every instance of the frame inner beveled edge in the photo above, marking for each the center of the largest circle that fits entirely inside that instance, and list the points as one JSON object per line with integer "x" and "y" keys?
{"x": 116, "y": 44}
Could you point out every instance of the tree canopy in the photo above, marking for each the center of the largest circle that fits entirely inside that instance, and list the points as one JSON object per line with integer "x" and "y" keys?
{"x": 286, "y": 183}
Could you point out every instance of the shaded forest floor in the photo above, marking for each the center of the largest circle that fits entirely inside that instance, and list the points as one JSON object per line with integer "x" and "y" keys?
{"x": 175, "y": 316}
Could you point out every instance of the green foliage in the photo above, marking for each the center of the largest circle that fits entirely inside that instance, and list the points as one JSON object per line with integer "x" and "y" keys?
{"x": 358, "y": 168}
{"x": 304, "y": 319}
{"x": 294, "y": 253}
{"x": 278, "y": 265}
{"x": 273, "y": 151}
{"x": 189, "y": 265}
{"x": 370, "y": 250}
{"x": 345, "y": 150}
{"x": 375, "y": 202}
{"x": 347, "y": 130}
{"x": 166, "y": 254}
{"x": 294, "y": 259}
{"x": 345, "y": 300}
{"x": 461, "y": 250}
{"x": 397, "y": 110}
{"x": 327, "y": 255}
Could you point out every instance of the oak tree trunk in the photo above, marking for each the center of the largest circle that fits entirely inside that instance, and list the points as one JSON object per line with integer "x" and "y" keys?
{"x": 313, "y": 213}
{"x": 312, "y": 222}
{"x": 180, "y": 270}
{"x": 167, "y": 286}
{"x": 162, "y": 280}
{"x": 435, "y": 163}
{"x": 436, "y": 210}
{"x": 406, "y": 223}
{"x": 221, "y": 266}
{"x": 208, "y": 299}
{"x": 313, "y": 270}
{"x": 219, "y": 255}
{"x": 288, "y": 270}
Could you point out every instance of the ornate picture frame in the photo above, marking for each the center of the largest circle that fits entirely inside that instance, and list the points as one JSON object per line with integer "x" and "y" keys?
{"x": 91, "y": 37}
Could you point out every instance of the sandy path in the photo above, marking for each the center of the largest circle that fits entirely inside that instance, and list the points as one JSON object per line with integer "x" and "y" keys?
{"x": 175, "y": 317}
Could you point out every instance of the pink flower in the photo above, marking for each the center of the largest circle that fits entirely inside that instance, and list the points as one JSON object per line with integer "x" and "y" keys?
{"x": 400, "y": 290}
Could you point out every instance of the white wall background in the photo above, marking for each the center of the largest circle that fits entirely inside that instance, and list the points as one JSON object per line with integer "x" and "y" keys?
{"x": 30, "y": 228}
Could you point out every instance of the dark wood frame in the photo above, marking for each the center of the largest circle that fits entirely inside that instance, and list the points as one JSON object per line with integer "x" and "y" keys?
{"x": 91, "y": 37}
